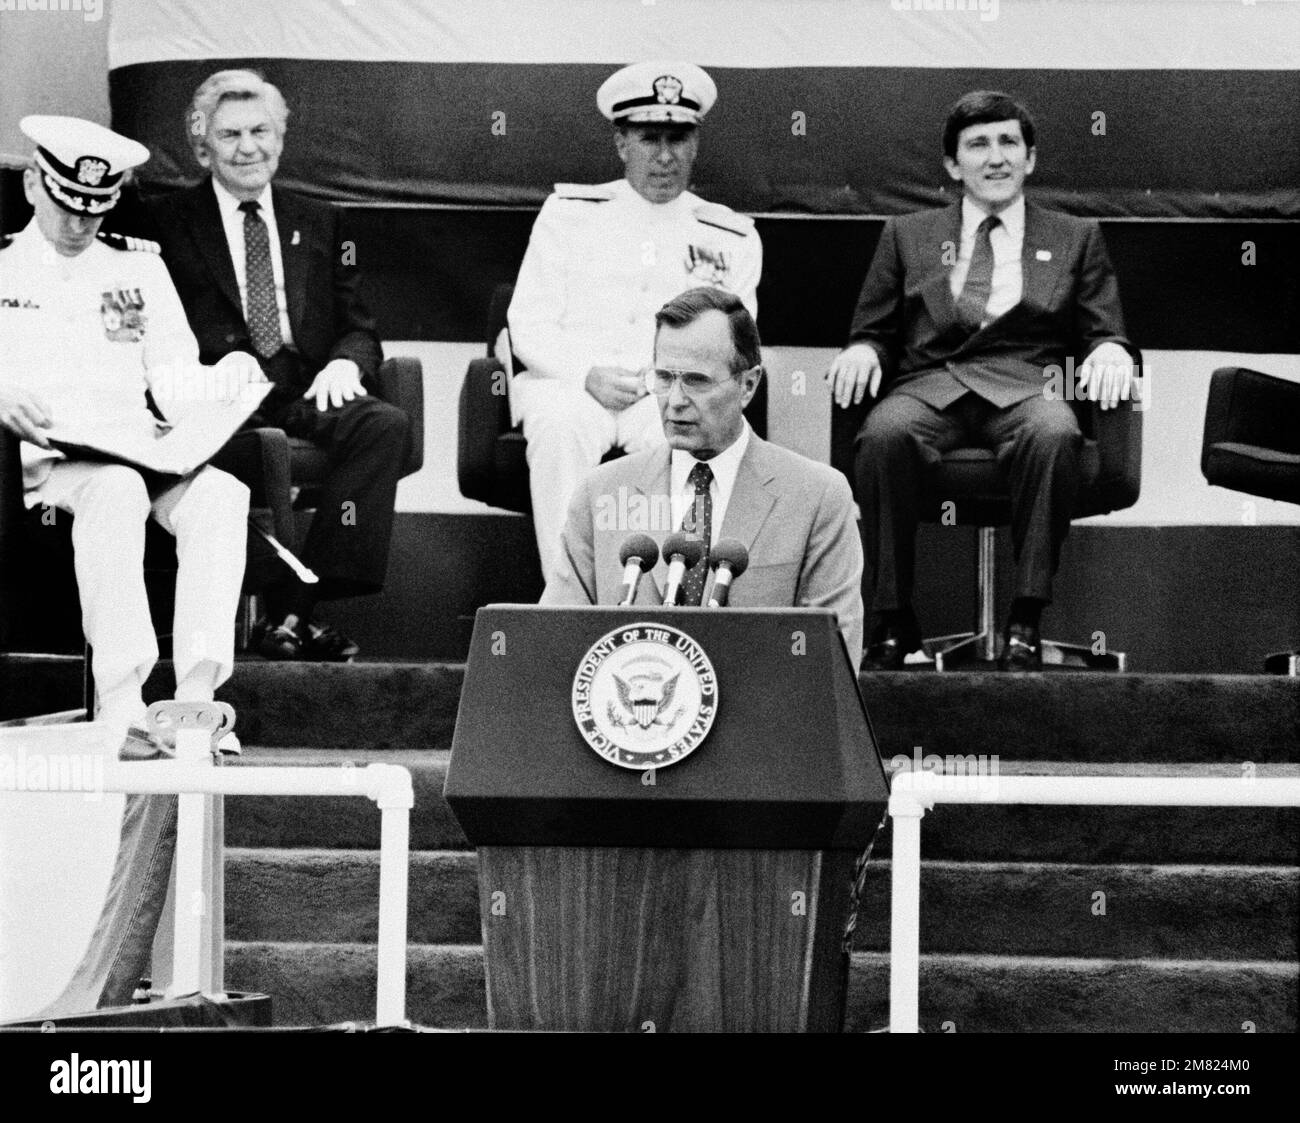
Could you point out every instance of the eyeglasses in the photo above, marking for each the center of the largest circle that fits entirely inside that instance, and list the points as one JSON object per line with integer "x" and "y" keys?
{"x": 694, "y": 383}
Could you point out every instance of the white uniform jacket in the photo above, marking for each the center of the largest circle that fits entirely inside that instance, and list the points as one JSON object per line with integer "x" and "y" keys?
{"x": 602, "y": 261}
{"x": 87, "y": 334}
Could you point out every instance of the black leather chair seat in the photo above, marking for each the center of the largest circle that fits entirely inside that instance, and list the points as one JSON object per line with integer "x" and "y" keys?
{"x": 1267, "y": 472}
{"x": 973, "y": 478}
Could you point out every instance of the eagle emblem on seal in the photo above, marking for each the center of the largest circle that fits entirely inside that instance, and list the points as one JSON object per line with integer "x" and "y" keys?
{"x": 645, "y": 698}
{"x": 645, "y": 695}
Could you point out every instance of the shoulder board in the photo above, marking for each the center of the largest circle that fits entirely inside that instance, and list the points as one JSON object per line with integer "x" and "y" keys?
{"x": 724, "y": 218}
{"x": 586, "y": 192}
{"x": 127, "y": 242}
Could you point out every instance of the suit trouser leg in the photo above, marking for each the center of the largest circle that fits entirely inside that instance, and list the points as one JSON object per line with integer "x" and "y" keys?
{"x": 567, "y": 431}
{"x": 367, "y": 441}
{"x": 1039, "y": 443}
{"x": 902, "y": 439}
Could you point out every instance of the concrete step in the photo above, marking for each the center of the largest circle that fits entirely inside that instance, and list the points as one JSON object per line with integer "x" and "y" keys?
{"x": 314, "y": 984}
{"x": 1067, "y": 716}
{"x": 1250, "y": 836}
{"x": 1036, "y": 909}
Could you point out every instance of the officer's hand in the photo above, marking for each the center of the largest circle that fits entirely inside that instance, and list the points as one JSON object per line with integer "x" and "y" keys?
{"x": 24, "y": 415}
{"x": 339, "y": 381}
{"x": 239, "y": 370}
{"x": 856, "y": 370}
{"x": 615, "y": 387}
{"x": 1107, "y": 375}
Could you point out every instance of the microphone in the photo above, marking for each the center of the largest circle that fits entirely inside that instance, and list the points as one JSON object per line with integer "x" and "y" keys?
{"x": 730, "y": 559}
{"x": 639, "y": 554}
{"x": 682, "y": 551}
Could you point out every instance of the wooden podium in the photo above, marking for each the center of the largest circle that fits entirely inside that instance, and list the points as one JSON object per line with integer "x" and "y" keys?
{"x": 710, "y": 893}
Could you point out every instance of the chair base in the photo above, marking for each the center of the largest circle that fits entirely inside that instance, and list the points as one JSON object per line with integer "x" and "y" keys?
{"x": 961, "y": 649}
{"x": 1058, "y": 654}
{"x": 966, "y": 648}
{"x": 250, "y": 610}
{"x": 1283, "y": 663}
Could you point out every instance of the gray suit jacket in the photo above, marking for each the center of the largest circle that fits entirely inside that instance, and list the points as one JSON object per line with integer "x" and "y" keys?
{"x": 796, "y": 518}
{"x": 906, "y": 311}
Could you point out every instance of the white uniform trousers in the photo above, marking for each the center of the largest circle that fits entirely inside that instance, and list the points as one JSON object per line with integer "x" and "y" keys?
{"x": 207, "y": 512}
{"x": 568, "y": 432}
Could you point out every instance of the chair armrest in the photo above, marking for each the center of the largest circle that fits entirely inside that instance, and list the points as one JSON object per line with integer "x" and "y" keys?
{"x": 1118, "y": 433}
{"x": 259, "y": 458}
{"x": 1247, "y": 407}
{"x": 483, "y": 415}
{"x": 400, "y": 382}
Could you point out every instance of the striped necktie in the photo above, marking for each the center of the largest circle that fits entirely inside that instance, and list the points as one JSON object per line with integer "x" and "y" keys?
{"x": 973, "y": 302}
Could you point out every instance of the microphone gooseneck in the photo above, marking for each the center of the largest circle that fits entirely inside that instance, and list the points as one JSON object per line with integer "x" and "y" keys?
{"x": 639, "y": 554}
{"x": 682, "y": 551}
{"x": 729, "y": 559}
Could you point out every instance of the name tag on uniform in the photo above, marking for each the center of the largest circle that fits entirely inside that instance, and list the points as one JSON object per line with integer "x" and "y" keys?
{"x": 17, "y": 302}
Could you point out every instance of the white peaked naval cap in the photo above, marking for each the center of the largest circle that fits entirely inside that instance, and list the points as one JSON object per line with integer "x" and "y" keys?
{"x": 82, "y": 163}
{"x": 678, "y": 93}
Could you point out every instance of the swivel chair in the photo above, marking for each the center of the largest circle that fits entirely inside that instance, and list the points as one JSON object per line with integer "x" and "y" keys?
{"x": 491, "y": 453}
{"x": 1252, "y": 444}
{"x": 970, "y": 485}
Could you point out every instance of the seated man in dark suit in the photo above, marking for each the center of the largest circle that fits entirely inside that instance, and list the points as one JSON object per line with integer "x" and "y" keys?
{"x": 262, "y": 270}
{"x": 718, "y": 479}
{"x": 963, "y": 314}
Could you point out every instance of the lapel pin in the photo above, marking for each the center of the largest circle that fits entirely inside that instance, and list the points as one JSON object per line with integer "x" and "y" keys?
{"x": 1041, "y": 255}
{"x": 298, "y": 238}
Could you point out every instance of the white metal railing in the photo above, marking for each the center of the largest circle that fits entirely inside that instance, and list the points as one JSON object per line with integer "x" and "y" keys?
{"x": 193, "y": 777}
{"x": 914, "y": 793}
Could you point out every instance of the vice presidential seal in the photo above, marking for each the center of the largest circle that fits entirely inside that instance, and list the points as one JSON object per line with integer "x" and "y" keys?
{"x": 645, "y": 696}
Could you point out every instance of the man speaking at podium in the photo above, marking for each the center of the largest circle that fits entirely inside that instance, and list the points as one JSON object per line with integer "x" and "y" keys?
{"x": 718, "y": 479}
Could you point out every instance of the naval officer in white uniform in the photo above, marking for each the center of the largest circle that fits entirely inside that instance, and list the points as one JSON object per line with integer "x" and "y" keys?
{"x": 601, "y": 261}
{"x": 88, "y": 322}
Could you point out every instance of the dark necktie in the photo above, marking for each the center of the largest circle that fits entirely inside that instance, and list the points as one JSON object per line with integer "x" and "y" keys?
{"x": 973, "y": 302}
{"x": 699, "y": 521}
{"x": 259, "y": 283}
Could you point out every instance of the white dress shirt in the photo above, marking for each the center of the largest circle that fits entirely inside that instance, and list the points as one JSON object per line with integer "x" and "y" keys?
{"x": 725, "y": 466}
{"x": 232, "y": 221}
{"x": 1007, "y": 240}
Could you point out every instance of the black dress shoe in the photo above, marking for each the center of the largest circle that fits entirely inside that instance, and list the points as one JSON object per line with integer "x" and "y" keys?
{"x": 326, "y": 644}
{"x": 280, "y": 642}
{"x": 1022, "y": 651}
{"x": 890, "y": 647}
{"x": 886, "y": 655}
